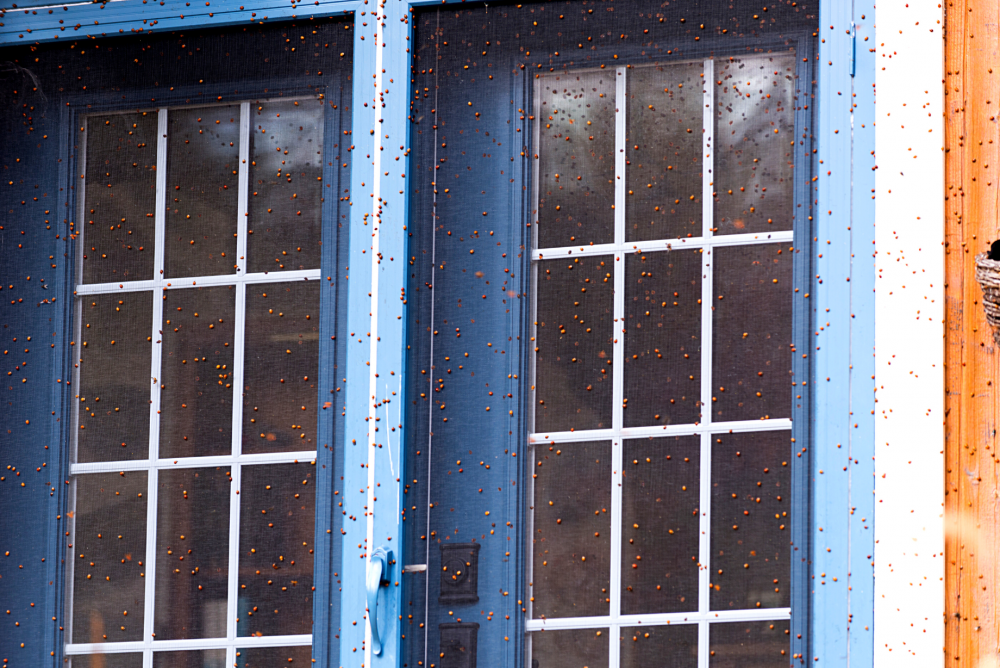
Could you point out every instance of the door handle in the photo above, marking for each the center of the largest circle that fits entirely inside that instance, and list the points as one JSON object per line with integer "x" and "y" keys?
{"x": 379, "y": 565}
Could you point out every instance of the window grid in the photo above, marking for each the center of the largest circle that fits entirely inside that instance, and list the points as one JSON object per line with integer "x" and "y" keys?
{"x": 153, "y": 464}
{"x": 705, "y": 428}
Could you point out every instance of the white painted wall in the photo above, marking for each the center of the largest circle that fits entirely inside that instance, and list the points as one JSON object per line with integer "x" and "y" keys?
{"x": 909, "y": 335}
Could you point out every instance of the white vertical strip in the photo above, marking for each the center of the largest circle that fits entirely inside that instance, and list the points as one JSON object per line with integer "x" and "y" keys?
{"x": 704, "y": 546}
{"x": 239, "y": 361}
{"x": 703, "y": 644}
{"x": 161, "y": 195}
{"x": 244, "y": 187}
{"x": 616, "y": 550}
{"x": 708, "y": 162}
{"x": 618, "y": 366}
{"x": 618, "y": 350}
{"x": 235, "y": 471}
{"x": 909, "y": 331}
{"x": 705, "y": 468}
{"x": 154, "y": 405}
{"x": 621, "y": 104}
{"x": 152, "y": 482}
{"x": 373, "y": 346}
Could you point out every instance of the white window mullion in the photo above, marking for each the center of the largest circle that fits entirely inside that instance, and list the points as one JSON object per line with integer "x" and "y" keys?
{"x": 244, "y": 187}
{"x": 616, "y": 551}
{"x": 159, "y": 247}
{"x": 236, "y": 470}
{"x": 705, "y": 468}
{"x": 617, "y": 369}
{"x": 618, "y": 350}
{"x": 154, "y": 405}
{"x": 704, "y": 547}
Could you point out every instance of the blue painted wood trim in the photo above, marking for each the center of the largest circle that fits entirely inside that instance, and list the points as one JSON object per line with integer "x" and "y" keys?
{"x": 387, "y": 213}
{"x": 85, "y": 20}
{"x": 861, "y": 579}
{"x": 843, "y": 339}
{"x": 356, "y": 393}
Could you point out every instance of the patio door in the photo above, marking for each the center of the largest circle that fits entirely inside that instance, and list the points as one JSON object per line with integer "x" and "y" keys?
{"x": 605, "y": 462}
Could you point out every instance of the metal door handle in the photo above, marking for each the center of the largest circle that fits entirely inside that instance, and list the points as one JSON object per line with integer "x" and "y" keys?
{"x": 378, "y": 574}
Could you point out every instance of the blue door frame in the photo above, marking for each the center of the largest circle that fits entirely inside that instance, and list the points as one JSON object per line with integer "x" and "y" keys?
{"x": 840, "y": 602}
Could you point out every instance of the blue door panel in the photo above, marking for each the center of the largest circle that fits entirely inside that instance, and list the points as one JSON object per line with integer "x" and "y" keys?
{"x": 470, "y": 267}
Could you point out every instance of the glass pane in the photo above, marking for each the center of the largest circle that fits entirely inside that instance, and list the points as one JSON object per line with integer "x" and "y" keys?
{"x": 269, "y": 657}
{"x": 109, "y": 549}
{"x": 751, "y": 526}
{"x": 115, "y": 359}
{"x": 281, "y": 367}
{"x": 752, "y": 332}
{"x": 574, "y": 347}
{"x": 660, "y": 534}
{"x": 571, "y": 538}
{"x": 286, "y": 189}
{"x": 203, "y": 152}
{"x": 106, "y": 661}
{"x": 663, "y": 151}
{"x": 120, "y": 197}
{"x": 205, "y": 658}
{"x": 674, "y": 646}
{"x": 192, "y": 553}
{"x": 576, "y": 167}
{"x": 754, "y": 143}
{"x": 749, "y": 645}
{"x": 277, "y": 527}
{"x": 584, "y": 648}
{"x": 662, "y": 338}
{"x": 197, "y": 393}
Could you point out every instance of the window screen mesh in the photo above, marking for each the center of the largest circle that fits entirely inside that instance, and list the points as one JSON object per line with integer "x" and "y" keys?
{"x": 610, "y": 208}
{"x": 162, "y": 176}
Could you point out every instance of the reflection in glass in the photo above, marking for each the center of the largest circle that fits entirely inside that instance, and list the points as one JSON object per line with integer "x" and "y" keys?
{"x": 749, "y": 645}
{"x": 203, "y": 151}
{"x": 577, "y": 159}
{"x": 115, "y": 357}
{"x": 752, "y": 332}
{"x": 751, "y": 523}
{"x": 130, "y": 660}
{"x": 120, "y": 195}
{"x": 663, "y": 150}
{"x": 197, "y": 367}
{"x": 755, "y": 102}
{"x": 286, "y": 189}
{"x": 660, "y": 534}
{"x": 192, "y": 553}
{"x": 281, "y": 367}
{"x": 109, "y": 552}
{"x": 204, "y": 658}
{"x": 584, "y": 648}
{"x": 573, "y": 386}
{"x": 277, "y": 527}
{"x": 673, "y": 646}
{"x": 571, "y": 539}
{"x": 662, "y": 338}
{"x": 266, "y": 657}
